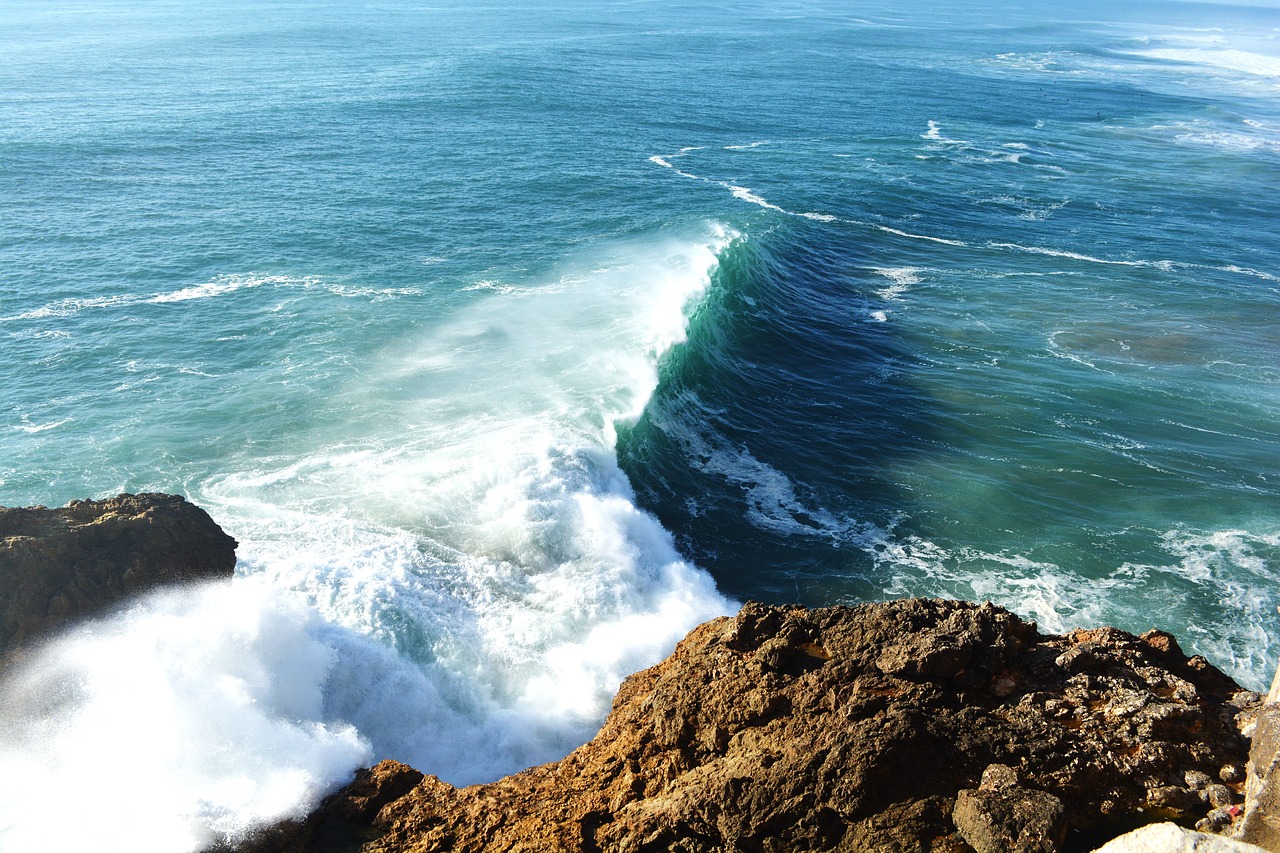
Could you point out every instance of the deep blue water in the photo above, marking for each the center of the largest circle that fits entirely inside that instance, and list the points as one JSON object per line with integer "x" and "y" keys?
{"x": 511, "y": 341}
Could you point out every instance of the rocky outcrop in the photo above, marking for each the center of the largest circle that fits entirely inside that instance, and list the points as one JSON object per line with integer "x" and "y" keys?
{"x": 60, "y": 565}
{"x": 1261, "y": 824}
{"x": 912, "y": 725}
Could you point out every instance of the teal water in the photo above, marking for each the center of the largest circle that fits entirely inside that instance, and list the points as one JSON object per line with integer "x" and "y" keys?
{"x": 513, "y": 341}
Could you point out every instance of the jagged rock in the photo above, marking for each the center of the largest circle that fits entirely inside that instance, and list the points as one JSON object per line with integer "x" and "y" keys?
{"x": 856, "y": 729}
{"x": 348, "y": 818}
{"x": 1010, "y": 820}
{"x": 60, "y": 565}
{"x": 1003, "y": 817}
{"x": 1261, "y": 824}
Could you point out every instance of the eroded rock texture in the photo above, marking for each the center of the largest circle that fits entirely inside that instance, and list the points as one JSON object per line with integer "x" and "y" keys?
{"x": 59, "y": 565}
{"x": 1261, "y": 824}
{"x": 910, "y": 725}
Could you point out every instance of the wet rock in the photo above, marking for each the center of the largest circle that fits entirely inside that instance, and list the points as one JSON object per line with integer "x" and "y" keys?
{"x": 61, "y": 565}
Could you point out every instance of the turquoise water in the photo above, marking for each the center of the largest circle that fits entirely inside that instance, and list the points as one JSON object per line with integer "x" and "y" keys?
{"x": 513, "y": 341}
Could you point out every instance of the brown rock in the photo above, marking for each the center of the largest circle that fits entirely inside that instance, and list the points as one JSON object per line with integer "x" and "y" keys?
{"x": 857, "y": 729}
{"x": 1010, "y": 820}
{"x": 999, "y": 777}
{"x": 1173, "y": 798}
{"x": 60, "y": 565}
{"x": 1232, "y": 774}
{"x": 1261, "y": 824}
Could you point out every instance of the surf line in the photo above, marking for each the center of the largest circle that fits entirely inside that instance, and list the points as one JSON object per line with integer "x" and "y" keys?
{"x": 748, "y": 195}
{"x": 1167, "y": 266}
{"x": 217, "y": 286}
{"x": 744, "y": 193}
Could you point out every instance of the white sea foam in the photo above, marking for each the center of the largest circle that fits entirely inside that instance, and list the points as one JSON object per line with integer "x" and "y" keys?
{"x": 1182, "y": 58}
{"x": 772, "y": 503}
{"x": 457, "y": 577}
{"x": 965, "y": 151}
{"x": 664, "y": 162}
{"x": 1233, "y": 268}
{"x": 495, "y": 286}
{"x": 926, "y": 237}
{"x": 1076, "y": 256}
{"x": 1230, "y": 59}
{"x": 28, "y": 427}
{"x": 1234, "y": 567}
{"x": 1057, "y": 350}
{"x": 934, "y": 133}
{"x": 747, "y": 195}
{"x": 371, "y": 294}
{"x": 903, "y": 279}
{"x": 216, "y": 287}
{"x": 207, "y": 290}
{"x": 1051, "y": 62}
{"x": 68, "y": 307}
{"x": 1247, "y": 136}
{"x": 1227, "y": 568}
{"x": 185, "y": 721}
{"x": 528, "y": 583}
{"x": 744, "y": 193}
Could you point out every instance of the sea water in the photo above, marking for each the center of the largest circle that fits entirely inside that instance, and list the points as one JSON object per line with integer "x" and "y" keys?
{"x": 513, "y": 340}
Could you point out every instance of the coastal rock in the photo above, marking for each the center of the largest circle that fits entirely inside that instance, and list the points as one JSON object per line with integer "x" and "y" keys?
{"x": 1261, "y": 824}
{"x": 1171, "y": 838}
{"x": 1014, "y": 820}
{"x": 914, "y": 725}
{"x": 1003, "y": 817}
{"x": 61, "y": 565}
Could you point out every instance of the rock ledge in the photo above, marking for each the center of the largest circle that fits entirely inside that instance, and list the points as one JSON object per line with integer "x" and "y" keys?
{"x": 913, "y": 725}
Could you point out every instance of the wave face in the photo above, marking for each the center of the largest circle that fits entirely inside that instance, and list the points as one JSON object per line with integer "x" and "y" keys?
{"x": 980, "y": 430}
{"x": 513, "y": 342}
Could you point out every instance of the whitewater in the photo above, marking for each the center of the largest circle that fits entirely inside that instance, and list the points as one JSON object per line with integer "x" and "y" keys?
{"x": 513, "y": 342}
{"x": 462, "y": 584}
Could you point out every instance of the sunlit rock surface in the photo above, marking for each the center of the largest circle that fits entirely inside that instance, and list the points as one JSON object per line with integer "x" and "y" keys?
{"x": 904, "y": 725}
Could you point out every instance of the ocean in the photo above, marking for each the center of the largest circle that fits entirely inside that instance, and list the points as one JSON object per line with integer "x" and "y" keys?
{"x": 513, "y": 340}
